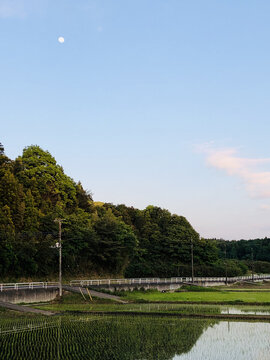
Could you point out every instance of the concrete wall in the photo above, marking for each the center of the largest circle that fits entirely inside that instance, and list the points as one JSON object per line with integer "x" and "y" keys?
{"x": 126, "y": 287}
{"x": 28, "y": 295}
{"x": 160, "y": 287}
{"x": 210, "y": 283}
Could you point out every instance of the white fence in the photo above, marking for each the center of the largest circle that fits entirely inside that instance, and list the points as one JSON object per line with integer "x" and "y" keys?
{"x": 134, "y": 282}
{"x": 174, "y": 280}
{"x": 31, "y": 285}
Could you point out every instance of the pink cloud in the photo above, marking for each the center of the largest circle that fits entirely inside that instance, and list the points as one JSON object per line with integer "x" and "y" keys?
{"x": 257, "y": 181}
{"x": 265, "y": 207}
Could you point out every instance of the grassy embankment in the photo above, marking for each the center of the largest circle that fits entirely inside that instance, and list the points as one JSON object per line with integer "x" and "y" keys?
{"x": 75, "y": 303}
{"x": 186, "y": 302}
{"x": 211, "y": 297}
{"x": 11, "y": 314}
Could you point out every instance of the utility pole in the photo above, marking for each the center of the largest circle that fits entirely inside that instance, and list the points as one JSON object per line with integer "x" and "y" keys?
{"x": 252, "y": 264}
{"x": 226, "y": 273}
{"x": 192, "y": 265}
{"x": 59, "y": 245}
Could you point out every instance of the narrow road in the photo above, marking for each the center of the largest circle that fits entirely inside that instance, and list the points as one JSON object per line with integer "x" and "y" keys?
{"x": 27, "y": 309}
{"x": 94, "y": 293}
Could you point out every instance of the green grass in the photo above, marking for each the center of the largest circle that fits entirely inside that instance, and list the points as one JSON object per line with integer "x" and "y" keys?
{"x": 197, "y": 288}
{"x": 163, "y": 308}
{"x": 75, "y": 302}
{"x": 201, "y": 297}
{"x": 242, "y": 290}
{"x": 12, "y": 314}
{"x": 140, "y": 302}
{"x": 75, "y": 298}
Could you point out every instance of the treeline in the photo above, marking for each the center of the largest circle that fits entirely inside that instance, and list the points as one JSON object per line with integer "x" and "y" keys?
{"x": 34, "y": 191}
{"x": 98, "y": 239}
{"x": 255, "y": 254}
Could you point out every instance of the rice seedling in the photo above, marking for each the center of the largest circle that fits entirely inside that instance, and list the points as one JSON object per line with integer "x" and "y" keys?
{"x": 130, "y": 338}
{"x": 177, "y": 308}
{"x": 97, "y": 338}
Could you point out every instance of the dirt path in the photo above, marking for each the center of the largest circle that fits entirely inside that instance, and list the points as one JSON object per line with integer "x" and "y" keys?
{"x": 27, "y": 309}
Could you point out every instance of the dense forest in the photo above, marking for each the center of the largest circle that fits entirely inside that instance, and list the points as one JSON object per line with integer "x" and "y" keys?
{"x": 255, "y": 254}
{"x": 100, "y": 239}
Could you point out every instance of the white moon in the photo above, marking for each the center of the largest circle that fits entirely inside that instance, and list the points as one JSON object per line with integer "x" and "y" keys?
{"x": 61, "y": 39}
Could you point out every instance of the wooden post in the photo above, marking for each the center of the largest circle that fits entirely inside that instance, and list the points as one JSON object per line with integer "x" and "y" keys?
{"x": 89, "y": 294}
{"x": 82, "y": 294}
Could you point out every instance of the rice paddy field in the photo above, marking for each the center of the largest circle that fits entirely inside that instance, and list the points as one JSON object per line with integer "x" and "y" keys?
{"x": 170, "y": 308}
{"x": 131, "y": 338}
{"x": 76, "y": 332}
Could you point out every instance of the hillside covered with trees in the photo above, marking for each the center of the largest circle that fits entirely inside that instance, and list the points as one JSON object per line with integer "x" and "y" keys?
{"x": 99, "y": 239}
{"x": 253, "y": 253}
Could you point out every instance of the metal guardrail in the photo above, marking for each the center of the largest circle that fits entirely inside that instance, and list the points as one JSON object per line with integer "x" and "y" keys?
{"x": 174, "y": 280}
{"x": 31, "y": 285}
{"x": 134, "y": 281}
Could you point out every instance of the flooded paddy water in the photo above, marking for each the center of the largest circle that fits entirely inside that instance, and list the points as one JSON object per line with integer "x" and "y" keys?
{"x": 231, "y": 341}
{"x": 131, "y": 338}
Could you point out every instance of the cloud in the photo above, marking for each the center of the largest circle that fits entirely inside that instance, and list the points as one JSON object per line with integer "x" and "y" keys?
{"x": 265, "y": 207}
{"x": 12, "y": 8}
{"x": 19, "y": 8}
{"x": 256, "y": 180}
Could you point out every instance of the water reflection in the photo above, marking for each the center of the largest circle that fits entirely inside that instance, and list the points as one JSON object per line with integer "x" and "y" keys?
{"x": 245, "y": 310}
{"x": 132, "y": 338}
{"x": 232, "y": 341}
{"x": 106, "y": 338}
{"x": 192, "y": 309}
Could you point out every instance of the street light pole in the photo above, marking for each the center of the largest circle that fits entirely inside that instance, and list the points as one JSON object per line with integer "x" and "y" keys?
{"x": 59, "y": 221}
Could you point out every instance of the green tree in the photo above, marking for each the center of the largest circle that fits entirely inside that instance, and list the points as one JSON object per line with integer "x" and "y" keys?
{"x": 2, "y": 150}
{"x": 7, "y": 239}
{"x": 31, "y": 213}
{"x": 116, "y": 242}
{"x": 54, "y": 187}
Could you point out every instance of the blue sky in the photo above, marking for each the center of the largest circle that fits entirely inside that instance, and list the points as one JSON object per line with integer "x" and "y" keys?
{"x": 162, "y": 102}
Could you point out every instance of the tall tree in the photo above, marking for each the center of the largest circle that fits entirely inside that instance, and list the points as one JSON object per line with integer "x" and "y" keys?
{"x": 54, "y": 187}
{"x": 2, "y": 150}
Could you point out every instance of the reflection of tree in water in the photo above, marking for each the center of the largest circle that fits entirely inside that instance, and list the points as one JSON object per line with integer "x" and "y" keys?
{"x": 155, "y": 338}
{"x": 118, "y": 338}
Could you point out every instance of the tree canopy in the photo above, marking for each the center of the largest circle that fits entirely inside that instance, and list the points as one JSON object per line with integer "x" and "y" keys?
{"x": 98, "y": 238}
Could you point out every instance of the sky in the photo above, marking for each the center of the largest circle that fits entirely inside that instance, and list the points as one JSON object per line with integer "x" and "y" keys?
{"x": 161, "y": 102}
